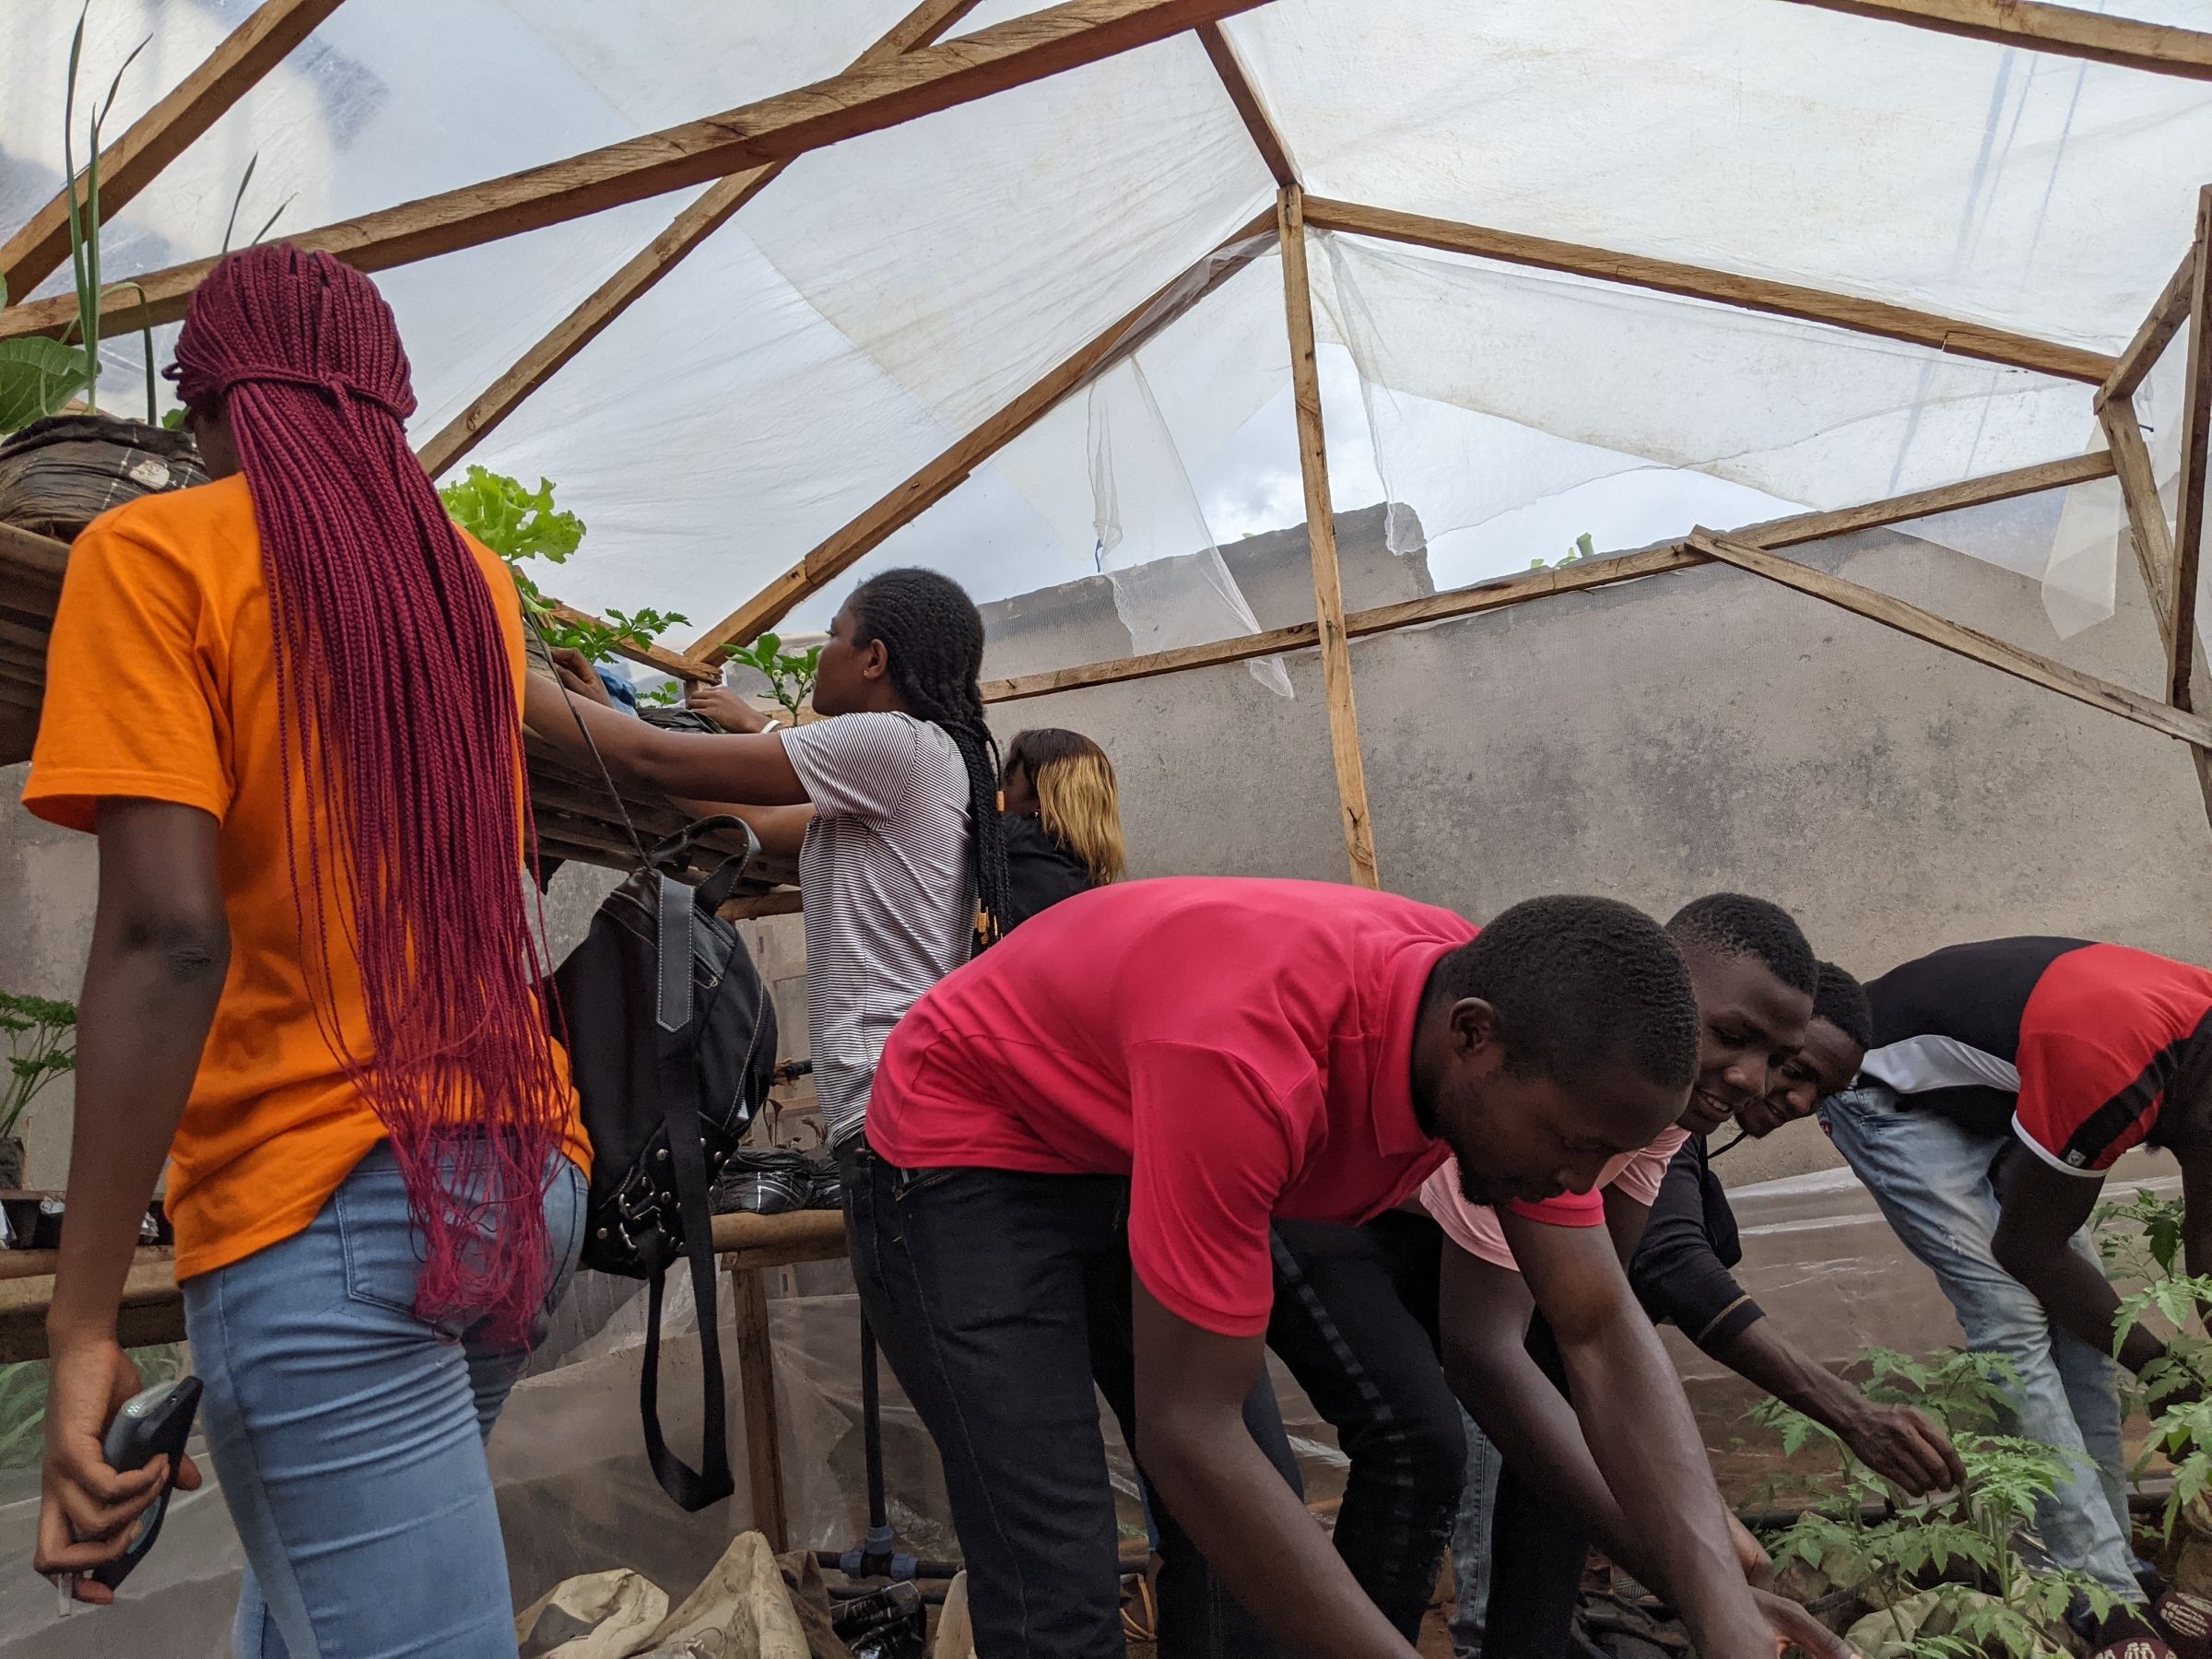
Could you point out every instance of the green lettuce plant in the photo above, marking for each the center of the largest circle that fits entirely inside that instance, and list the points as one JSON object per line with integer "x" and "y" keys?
{"x": 520, "y": 523}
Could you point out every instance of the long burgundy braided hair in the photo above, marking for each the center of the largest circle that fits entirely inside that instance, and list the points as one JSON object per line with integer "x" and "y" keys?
{"x": 402, "y": 755}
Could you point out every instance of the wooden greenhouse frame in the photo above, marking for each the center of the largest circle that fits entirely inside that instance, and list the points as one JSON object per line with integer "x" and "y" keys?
{"x": 912, "y": 71}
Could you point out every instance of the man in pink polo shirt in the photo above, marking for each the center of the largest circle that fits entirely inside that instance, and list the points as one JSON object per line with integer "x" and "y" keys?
{"x": 1079, "y": 1142}
{"x": 1757, "y": 986}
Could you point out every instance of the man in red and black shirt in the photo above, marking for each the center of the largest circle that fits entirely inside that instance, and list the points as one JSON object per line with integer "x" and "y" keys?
{"x": 1080, "y": 1141}
{"x": 2003, "y": 1081}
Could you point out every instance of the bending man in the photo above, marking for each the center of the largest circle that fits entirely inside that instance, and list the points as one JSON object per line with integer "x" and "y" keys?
{"x": 2003, "y": 1081}
{"x": 1128, "y": 1092}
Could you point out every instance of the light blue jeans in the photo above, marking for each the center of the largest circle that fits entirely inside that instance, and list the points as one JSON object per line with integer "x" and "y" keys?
{"x": 1471, "y": 1542}
{"x": 349, "y": 1435}
{"x": 1931, "y": 1178}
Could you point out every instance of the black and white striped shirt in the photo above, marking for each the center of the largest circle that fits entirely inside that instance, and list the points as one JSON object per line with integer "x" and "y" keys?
{"x": 884, "y": 876}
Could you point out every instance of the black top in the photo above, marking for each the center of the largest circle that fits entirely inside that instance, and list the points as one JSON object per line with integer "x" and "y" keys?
{"x": 1951, "y": 1022}
{"x": 1040, "y": 871}
{"x": 1681, "y": 1270}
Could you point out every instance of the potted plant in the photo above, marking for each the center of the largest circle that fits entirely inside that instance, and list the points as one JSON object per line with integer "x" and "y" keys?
{"x": 42, "y": 1042}
{"x": 60, "y": 469}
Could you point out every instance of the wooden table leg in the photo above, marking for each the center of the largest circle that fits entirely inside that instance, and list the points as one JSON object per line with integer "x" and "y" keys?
{"x": 757, "y": 1386}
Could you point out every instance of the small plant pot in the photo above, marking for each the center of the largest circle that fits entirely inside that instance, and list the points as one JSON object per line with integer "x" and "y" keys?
{"x": 58, "y": 475}
{"x": 11, "y": 1162}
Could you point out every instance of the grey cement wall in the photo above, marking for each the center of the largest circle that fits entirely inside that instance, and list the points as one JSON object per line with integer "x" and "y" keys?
{"x": 1699, "y": 730}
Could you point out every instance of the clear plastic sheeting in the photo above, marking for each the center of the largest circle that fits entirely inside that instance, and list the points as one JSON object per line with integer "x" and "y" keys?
{"x": 568, "y": 1461}
{"x": 2068, "y": 540}
{"x": 1576, "y": 380}
{"x": 886, "y": 295}
{"x": 2157, "y": 404}
{"x": 877, "y": 302}
{"x": 2037, "y": 192}
{"x": 388, "y": 103}
{"x": 1146, "y": 529}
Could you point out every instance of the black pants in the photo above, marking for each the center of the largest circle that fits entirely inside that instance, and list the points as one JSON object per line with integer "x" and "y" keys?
{"x": 1354, "y": 1320}
{"x": 998, "y": 1297}
{"x": 1536, "y": 1548}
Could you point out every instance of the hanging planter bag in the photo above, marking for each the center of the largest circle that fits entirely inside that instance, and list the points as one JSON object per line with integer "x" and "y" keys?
{"x": 58, "y": 475}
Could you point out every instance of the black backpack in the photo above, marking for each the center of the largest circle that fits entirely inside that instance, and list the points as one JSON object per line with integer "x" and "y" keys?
{"x": 672, "y": 1043}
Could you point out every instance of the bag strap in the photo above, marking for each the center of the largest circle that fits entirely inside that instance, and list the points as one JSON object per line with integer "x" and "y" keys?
{"x": 711, "y": 1482}
{"x": 714, "y": 891}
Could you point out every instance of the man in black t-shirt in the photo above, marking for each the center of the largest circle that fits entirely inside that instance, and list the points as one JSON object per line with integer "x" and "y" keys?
{"x": 1682, "y": 1270}
{"x": 2003, "y": 1081}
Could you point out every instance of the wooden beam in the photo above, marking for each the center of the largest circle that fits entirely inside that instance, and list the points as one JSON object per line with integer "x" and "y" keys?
{"x": 2145, "y": 514}
{"x": 649, "y": 264}
{"x": 2154, "y": 553}
{"x": 780, "y": 1241}
{"x": 153, "y": 1308}
{"x": 37, "y": 1264}
{"x": 2196, "y": 425}
{"x": 159, "y": 136}
{"x": 1985, "y": 649}
{"x": 32, "y": 559}
{"x": 1728, "y": 288}
{"x": 883, "y": 95}
{"x": 1579, "y": 577}
{"x": 2168, "y": 313}
{"x": 938, "y": 478}
{"x": 1250, "y": 110}
{"x": 653, "y": 656}
{"x": 784, "y": 902}
{"x": 756, "y": 1390}
{"x": 1321, "y": 542}
{"x": 2065, "y": 30}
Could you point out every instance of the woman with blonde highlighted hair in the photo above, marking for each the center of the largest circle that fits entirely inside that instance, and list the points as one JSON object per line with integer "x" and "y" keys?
{"x": 1064, "y": 821}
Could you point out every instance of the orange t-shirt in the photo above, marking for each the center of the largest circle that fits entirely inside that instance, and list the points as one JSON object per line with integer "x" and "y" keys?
{"x": 160, "y": 684}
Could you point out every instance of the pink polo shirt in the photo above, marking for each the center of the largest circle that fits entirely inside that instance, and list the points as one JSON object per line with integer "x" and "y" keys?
{"x": 1242, "y": 1050}
{"x": 1474, "y": 1227}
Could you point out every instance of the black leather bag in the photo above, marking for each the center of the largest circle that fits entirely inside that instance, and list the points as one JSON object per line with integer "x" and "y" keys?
{"x": 672, "y": 1043}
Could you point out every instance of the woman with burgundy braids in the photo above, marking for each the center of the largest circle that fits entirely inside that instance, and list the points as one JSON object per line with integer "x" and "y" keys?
{"x": 287, "y": 703}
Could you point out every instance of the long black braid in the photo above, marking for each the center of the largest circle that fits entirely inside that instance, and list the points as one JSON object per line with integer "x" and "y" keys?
{"x": 934, "y": 636}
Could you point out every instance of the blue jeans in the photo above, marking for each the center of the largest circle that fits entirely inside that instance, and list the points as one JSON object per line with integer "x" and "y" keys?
{"x": 1471, "y": 1542}
{"x": 1932, "y": 1180}
{"x": 349, "y": 1435}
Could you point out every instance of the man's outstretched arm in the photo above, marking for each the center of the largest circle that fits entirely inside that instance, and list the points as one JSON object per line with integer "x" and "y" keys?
{"x": 1251, "y": 1528}
{"x": 1678, "y": 1273}
{"x": 1644, "y": 1445}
